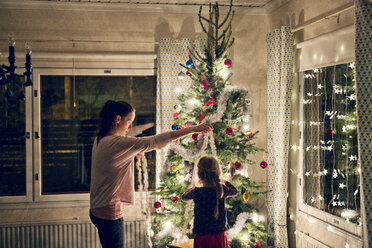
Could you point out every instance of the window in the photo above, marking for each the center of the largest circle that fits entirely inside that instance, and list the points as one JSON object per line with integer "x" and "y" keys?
{"x": 70, "y": 107}
{"x": 12, "y": 142}
{"x": 46, "y": 141}
{"x": 330, "y": 148}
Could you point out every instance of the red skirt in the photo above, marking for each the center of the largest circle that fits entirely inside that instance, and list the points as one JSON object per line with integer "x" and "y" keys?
{"x": 218, "y": 240}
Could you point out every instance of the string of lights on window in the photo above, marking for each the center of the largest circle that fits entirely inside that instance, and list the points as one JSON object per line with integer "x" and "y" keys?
{"x": 335, "y": 139}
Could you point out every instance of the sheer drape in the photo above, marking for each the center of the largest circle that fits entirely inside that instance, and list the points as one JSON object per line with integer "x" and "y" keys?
{"x": 172, "y": 53}
{"x": 363, "y": 56}
{"x": 279, "y": 90}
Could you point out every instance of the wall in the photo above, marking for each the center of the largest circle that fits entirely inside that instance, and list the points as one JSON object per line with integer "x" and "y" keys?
{"x": 295, "y": 13}
{"x": 138, "y": 30}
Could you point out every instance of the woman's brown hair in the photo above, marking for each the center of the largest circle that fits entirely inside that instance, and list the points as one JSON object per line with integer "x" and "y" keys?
{"x": 108, "y": 113}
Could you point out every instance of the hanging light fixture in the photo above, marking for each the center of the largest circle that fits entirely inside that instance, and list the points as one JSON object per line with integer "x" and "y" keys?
{"x": 9, "y": 76}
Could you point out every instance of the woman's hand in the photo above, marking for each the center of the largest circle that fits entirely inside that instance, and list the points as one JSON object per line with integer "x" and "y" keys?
{"x": 203, "y": 128}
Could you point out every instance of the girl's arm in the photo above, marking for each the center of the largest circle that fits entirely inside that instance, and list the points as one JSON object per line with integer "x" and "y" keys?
{"x": 188, "y": 195}
{"x": 231, "y": 190}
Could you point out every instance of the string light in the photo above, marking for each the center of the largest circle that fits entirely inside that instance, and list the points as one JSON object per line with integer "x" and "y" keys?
{"x": 255, "y": 217}
{"x": 192, "y": 102}
{"x": 224, "y": 73}
{"x": 323, "y": 136}
{"x": 181, "y": 178}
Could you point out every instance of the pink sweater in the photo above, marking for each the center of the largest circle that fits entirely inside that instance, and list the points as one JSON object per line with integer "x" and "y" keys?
{"x": 112, "y": 180}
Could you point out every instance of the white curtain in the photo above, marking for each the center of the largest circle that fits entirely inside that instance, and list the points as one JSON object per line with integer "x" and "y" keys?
{"x": 279, "y": 90}
{"x": 172, "y": 53}
{"x": 363, "y": 68}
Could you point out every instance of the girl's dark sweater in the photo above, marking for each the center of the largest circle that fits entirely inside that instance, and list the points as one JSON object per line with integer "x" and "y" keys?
{"x": 205, "y": 202}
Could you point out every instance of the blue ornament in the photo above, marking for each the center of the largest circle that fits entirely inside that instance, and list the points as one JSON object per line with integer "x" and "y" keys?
{"x": 174, "y": 127}
{"x": 189, "y": 63}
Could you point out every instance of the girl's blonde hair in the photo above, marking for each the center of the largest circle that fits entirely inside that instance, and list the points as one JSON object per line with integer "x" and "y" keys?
{"x": 209, "y": 171}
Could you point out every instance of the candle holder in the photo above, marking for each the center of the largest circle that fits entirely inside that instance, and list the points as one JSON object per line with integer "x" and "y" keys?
{"x": 8, "y": 75}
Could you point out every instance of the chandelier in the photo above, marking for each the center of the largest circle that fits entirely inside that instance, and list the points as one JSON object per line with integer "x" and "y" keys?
{"x": 8, "y": 75}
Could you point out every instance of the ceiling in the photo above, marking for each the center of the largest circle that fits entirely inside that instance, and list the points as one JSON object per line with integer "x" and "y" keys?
{"x": 241, "y": 7}
{"x": 236, "y": 3}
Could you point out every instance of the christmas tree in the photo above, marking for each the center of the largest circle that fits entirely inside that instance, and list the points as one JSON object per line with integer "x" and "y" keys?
{"x": 226, "y": 107}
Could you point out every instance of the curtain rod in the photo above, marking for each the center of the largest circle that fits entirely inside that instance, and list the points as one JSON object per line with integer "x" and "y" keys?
{"x": 325, "y": 16}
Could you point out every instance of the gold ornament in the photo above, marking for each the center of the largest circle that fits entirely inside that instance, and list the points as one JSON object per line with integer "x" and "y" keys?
{"x": 174, "y": 168}
{"x": 246, "y": 196}
{"x": 162, "y": 191}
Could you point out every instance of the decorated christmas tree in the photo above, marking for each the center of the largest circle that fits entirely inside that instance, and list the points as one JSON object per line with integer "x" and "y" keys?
{"x": 211, "y": 98}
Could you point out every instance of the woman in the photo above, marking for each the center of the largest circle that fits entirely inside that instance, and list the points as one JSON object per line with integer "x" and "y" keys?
{"x": 112, "y": 180}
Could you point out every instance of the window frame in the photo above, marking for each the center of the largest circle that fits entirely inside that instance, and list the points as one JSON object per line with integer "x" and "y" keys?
{"x": 29, "y": 155}
{"x": 38, "y": 196}
{"x": 341, "y": 226}
{"x": 49, "y": 63}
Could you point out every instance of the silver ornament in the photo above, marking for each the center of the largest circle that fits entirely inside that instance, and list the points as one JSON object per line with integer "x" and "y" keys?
{"x": 177, "y": 107}
{"x": 181, "y": 75}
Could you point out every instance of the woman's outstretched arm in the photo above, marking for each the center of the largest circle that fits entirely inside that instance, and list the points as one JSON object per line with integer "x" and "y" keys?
{"x": 202, "y": 128}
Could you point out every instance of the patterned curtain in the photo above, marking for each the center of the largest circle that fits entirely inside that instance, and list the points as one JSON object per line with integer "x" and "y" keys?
{"x": 363, "y": 56}
{"x": 172, "y": 53}
{"x": 279, "y": 90}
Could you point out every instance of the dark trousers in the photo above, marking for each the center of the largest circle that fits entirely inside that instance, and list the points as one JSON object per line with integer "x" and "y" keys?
{"x": 111, "y": 232}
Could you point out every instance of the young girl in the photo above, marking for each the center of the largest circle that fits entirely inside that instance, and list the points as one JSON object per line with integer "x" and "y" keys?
{"x": 112, "y": 179}
{"x": 210, "y": 220}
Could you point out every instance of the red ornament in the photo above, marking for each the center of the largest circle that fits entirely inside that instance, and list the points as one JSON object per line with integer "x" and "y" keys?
{"x": 263, "y": 164}
{"x": 175, "y": 115}
{"x": 188, "y": 73}
{"x": 228, "y": 62}
{"x": 195, "y": 136}
{"x": 174, "y": 199}
{"x": 157, "y": 205}
{"x": 332, "y": 132}
{"x": 249, "y": 134}
{"x": 204, "y": 84}
{"x": 237, "y": 165}
{"x": 231, "y": 171}
{"x": 257, "y": 244}
{"x": 229, "y": 131}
